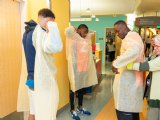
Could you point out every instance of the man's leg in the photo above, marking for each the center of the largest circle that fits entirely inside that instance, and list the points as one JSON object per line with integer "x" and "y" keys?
{"x": 127, "y": 116}
{"x": 146, "y": 47}
{"x": 31, "y": 101}
{"x": 80, "y": 98}
{"x": 135, "y": 116}
{"x": 72, "y": 102}
{"x": 149, "y": 46}
{"x": 80, "y": 109}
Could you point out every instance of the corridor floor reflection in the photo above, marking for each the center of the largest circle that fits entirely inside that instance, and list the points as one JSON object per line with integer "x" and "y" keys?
{"x": 95, "y": 101}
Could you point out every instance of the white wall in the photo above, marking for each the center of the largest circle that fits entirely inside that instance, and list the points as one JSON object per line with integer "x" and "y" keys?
{"x": 48, "y": 2}
{"x": 24, "y": 16}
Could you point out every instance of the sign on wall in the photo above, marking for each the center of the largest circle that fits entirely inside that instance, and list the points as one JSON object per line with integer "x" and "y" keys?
{"x": 147, "y": 21}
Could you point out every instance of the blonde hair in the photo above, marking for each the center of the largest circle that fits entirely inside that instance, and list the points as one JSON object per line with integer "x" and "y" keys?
{"x": 152, "y": 51}
{"x": 157, "y": 38}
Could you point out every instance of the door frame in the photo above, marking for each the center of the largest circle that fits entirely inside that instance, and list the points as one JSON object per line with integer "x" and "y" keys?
{"x": 95, "y": 37}
{"x": 105, "y": 43}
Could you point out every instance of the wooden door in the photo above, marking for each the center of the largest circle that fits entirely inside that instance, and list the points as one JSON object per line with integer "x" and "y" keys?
{"x": 10, "y": 55}
{"x": 93, "y": 39}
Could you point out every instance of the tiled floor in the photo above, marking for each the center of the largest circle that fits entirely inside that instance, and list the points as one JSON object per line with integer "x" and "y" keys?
{"x": 14, "y": 116}
{"x": 95, "y": 101}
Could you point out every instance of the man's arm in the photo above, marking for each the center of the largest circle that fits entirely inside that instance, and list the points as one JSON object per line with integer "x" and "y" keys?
{"x": 53, "y": 43}
{"x": 129, "y": 56}
{"x": 91, "y": 32}
{"x": 70, "y": 32}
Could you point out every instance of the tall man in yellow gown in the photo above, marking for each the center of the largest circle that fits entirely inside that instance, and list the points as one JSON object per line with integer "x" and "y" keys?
{"x": 128, "y": 85}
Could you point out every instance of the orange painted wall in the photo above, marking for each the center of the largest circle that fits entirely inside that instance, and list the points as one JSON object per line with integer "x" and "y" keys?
{"x": 61, "y": 10}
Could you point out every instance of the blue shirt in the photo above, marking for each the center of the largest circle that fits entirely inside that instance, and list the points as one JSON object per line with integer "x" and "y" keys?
{"x": 30, "y": 57}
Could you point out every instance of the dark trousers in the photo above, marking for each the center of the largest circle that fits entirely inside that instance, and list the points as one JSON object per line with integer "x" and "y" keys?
{"x": 80, "y": 98}
{"x": 147, "y": 46}
{"x": 127, "y": 115}
{"x": 111, "y": 56}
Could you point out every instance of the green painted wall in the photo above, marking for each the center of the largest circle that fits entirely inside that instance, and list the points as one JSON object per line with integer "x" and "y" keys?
{"x": 99, "y": 26}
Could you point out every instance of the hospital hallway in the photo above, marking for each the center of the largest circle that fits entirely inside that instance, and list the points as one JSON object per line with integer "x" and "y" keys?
{"x": 100, "y": 102}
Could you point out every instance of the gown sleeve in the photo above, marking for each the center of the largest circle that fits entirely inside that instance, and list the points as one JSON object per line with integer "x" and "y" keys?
{"x": 53, "y": 42}
{"x": 129, "y": 56}
{"x": 152, "y": 65}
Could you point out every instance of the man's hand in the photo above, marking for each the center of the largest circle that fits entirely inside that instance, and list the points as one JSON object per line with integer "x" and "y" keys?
{"x": 115, "y": 70}
{"x": 75, "y": 28}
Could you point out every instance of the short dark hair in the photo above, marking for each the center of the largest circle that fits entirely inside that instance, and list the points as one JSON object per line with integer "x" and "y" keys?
{"x": 82, "y": 26}
{"x": 45, "y": 12}
{"x": 120, "y": 22}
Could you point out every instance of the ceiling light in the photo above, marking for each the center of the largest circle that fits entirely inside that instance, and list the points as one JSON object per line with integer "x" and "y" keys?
{"x": 81, "y": 19}
{"x": 97, "y": 19}
{"x": 76, "y": 16}
{"x": 88, "y": 10}
{"x": 93, "y": 16}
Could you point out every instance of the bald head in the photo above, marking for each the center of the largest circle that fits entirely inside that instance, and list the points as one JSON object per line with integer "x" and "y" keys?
{"x": 121, "y": 29}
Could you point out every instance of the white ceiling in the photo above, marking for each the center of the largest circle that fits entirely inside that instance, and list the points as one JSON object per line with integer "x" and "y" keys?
{"x": 117, "y": 7}
{"x": 149, "y": 7}
{"x": 101, "y": 7}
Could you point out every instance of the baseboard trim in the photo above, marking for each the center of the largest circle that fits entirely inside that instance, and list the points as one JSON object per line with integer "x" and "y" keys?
{"x": 62, "y": 109}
